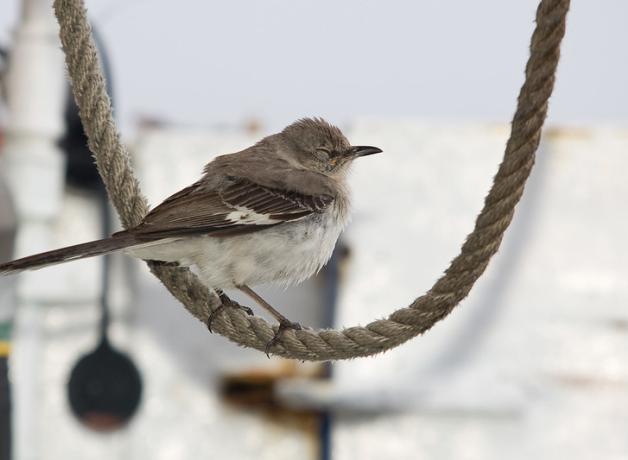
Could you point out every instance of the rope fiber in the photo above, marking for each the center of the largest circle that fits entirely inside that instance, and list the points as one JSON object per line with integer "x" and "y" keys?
{"x": 315, "y": 345}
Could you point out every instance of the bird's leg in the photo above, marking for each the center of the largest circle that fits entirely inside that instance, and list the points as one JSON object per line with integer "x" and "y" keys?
{"x": 284, "y": 323}
{"x": 225, "y": 302}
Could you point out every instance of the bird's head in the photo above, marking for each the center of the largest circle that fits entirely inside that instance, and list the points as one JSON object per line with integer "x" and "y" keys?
{"x": 319, "y": 146}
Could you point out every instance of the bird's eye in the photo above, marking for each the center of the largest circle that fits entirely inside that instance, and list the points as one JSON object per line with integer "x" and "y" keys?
{"x": 322, "y": 153}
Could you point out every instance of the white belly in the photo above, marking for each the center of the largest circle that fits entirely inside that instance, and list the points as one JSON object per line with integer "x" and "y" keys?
{"x": 285, "y": 254}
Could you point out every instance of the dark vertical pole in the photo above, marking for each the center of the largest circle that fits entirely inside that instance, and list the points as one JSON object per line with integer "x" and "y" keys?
{"x": 7, "y": 305}
{"x": 332, "y": 280}
{"x": 5, "y": 405}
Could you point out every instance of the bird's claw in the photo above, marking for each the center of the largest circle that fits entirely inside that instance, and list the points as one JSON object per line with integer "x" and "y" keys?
{"x": 284, "y": 325}
{"x": 226, "y": 302}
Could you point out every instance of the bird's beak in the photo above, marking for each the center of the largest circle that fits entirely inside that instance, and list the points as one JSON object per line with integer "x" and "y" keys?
{"x": 364, "y": 150}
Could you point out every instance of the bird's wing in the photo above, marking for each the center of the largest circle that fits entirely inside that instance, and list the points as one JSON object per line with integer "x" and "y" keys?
{"x": 241, "y": 207}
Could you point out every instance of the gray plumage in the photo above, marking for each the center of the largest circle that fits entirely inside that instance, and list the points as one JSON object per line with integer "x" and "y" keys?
{"x": 269, "y": 213}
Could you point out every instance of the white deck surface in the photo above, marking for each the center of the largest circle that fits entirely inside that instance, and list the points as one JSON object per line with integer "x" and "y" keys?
{"x": 533, "y": 364}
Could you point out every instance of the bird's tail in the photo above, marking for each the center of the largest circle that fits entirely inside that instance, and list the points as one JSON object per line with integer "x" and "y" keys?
{"x": 57, "y": 256}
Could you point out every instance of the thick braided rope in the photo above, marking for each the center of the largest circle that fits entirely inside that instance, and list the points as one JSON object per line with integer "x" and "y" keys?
{"x": 89, "y": 88}
{"x": 380, "y": 335}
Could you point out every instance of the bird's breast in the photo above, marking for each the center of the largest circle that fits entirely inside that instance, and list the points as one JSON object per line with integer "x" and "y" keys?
{"x": 285, "y": 254}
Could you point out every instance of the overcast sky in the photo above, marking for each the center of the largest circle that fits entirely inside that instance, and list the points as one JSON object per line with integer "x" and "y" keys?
{"x": 222, "y": 62}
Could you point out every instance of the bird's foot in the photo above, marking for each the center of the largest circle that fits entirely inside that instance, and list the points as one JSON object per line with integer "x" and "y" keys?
{"x": 225, "y": 302}
{"x": 162, "y": 263}
{"x": 284, "y": 325}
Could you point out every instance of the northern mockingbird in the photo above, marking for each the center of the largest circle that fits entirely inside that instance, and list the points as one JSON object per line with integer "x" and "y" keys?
{"x": 271, "y": 213}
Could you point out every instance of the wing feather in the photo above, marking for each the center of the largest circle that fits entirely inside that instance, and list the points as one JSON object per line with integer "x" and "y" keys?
{"x": 241, "y": 207}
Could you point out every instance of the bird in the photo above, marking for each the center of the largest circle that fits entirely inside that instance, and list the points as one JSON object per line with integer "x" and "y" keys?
{"x": 269, "y": 214}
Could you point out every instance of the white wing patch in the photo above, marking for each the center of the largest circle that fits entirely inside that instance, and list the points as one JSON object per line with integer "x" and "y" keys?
{"x": 244, "y": 215}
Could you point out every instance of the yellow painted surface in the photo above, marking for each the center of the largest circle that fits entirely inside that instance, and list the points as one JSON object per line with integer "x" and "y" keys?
{"x": 5, "y": 348}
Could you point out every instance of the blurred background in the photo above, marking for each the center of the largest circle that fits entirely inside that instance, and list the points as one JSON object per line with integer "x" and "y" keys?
{"x": 98, "y": 361}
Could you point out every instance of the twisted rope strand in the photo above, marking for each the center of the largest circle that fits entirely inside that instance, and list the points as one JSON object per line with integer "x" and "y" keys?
{"x": 115, "y": 168}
